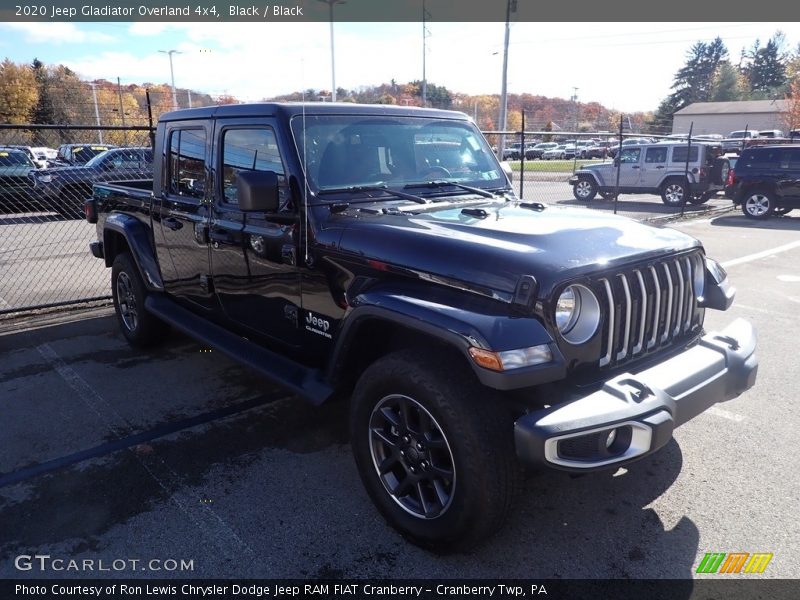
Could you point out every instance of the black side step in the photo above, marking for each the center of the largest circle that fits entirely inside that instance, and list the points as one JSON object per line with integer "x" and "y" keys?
{"x": 302, "y": 380}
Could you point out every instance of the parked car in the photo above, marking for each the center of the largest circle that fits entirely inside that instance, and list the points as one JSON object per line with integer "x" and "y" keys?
{"x": 656, "y": 168}
{"x": 537, "y": 150}
{"x": 555, "y": 153}
{"x": 767, "y": 181}
{"x": 638, "y": 141}
{"x": 15, "y": 184}
{"x": 64, "y": 189}
{"x": 597, "y": 150}
{"x": 737, "y": 140}
{"x": 470, "y": 333}
{"x": 730, "y": 180}
{"x": 512, "y": 151}
{"x": 79, "y": 154}
{"x": 38, "y": 159}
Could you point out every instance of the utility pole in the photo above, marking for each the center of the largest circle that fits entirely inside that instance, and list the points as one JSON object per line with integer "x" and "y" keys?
{"x": 425, "y": 33}
{"x": 121, "y": 110}
{"x": 96, "y": 110}
{"x": 172, "y": 76}
{"x": 331, "y": 4}
{"x": 511, "y": 6}
{"x": 575, "y": 100}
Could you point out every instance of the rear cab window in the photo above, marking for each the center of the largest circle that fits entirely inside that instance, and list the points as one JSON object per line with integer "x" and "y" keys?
{"x": 187, "y": 151}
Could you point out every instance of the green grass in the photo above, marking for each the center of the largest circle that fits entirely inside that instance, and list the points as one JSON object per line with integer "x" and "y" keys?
{"x": 551, "y": 166}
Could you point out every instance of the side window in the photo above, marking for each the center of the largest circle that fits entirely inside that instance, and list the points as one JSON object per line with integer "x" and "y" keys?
{"x": 655, "y": 155}
{"x": 187, "y": 151}
{"x": 791, "y": 156}
{"x": 630, "y": 155}
{"x": 250, "y": 150}
{"x": 679, "y": 154}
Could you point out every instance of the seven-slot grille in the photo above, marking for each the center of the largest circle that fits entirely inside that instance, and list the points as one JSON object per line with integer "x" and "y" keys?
{"x": 649, "y": 306}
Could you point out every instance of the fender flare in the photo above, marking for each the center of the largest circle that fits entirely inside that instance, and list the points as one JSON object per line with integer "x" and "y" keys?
{"x": 138, "y": 237}
{"x": 457, "y": 328}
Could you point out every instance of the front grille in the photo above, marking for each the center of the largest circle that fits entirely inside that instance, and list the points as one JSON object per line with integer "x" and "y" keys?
{"x": 648, "y": 307}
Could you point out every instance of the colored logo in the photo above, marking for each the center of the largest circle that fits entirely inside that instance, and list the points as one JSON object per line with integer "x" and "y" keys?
{"x": 734, "y": 562}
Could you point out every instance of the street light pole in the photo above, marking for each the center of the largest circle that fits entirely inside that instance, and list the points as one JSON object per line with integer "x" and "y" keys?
{"x": 330, "y": 4}
{"x": 96, "y": 110}
{"x": 172, "y": 77}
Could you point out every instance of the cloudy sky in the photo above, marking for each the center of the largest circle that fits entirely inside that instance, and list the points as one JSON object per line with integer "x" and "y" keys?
{"x": 628, "y": 66}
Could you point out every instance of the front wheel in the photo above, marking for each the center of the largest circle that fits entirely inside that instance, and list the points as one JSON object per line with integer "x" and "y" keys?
{"x": 781, "y": 210}
{"x": 673, "y": 192}
{"x": 435, "y": 456}
{"x": 758, "y": 205}
{"x": 584, "y": 190}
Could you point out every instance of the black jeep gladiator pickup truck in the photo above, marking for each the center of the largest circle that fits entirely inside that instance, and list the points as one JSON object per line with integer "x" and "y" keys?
{"x": 380, "y": 253}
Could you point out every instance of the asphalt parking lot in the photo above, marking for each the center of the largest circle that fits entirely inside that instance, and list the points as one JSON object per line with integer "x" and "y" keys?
{"x": 179, "y": 454}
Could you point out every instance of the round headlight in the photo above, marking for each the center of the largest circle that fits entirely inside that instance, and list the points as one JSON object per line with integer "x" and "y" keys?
{"x": 577, "y": 314}
{"x": 567, "y": 308}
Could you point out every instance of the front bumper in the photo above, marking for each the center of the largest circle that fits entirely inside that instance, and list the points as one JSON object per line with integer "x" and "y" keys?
{"x": 642, "y": 409}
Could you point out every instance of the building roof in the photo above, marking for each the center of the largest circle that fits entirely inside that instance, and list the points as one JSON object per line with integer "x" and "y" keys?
{"x": 741, "y": 107}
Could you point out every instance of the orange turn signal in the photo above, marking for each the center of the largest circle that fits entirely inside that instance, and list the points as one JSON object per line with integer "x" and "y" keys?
{"x": 486, "y": 359}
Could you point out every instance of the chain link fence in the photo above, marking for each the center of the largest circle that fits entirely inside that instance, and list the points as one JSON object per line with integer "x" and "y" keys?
{"x": 46, "y": 172}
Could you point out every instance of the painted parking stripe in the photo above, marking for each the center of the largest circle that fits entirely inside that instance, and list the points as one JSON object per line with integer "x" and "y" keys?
{"x": 725, "y": 414}
{"x": 758, "y": 255}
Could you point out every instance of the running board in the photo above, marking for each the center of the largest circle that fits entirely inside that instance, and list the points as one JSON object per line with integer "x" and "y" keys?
{"x": 302, "y": 380}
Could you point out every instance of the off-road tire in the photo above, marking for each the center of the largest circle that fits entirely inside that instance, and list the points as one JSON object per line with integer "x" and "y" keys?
{"x": 478, "y": 447}
{"x": 139, "y": 327}
{"x": 673, "y": 191}
{"x": 584, "y": 190}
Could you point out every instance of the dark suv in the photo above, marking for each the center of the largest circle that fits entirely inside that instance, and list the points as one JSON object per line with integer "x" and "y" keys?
{"x": 766, "y": 181}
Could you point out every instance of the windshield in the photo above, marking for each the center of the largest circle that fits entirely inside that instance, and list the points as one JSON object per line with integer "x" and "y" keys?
{"x": 356, "y": 150}
{"x": 14, "y": 159}
{"x": 741, "y": 134}
{"x": 83, "y": 154}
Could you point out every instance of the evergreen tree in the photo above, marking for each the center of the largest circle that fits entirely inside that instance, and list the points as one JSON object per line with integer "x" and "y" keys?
{"x": 725, "y": 85}
{"x": 765, "y": 68}
{"x": 694, "y": 81}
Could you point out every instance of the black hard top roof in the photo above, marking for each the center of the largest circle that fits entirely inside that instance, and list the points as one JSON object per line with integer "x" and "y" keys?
{"x": 290, "y": 109}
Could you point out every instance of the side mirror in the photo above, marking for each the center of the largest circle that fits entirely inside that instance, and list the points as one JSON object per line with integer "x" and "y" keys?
{"x": 257, "y": 190}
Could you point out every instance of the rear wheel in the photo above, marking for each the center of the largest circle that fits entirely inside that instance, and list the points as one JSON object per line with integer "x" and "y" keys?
{"x": 781, "y": 210}
{"x": 584, "y": 190}
{"x": 758, "y": 204}
{"x": 435, "y": 456}
{"x": 673, "y": 191}
{"x": 701, "y": 199}
{"x": 139, "y": 327}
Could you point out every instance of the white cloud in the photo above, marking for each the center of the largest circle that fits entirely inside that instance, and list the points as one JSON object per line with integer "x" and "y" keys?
{"x": 56, "y": 33}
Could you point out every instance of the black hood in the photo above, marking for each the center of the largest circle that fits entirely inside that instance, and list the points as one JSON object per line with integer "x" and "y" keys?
{"x": 553, "y": 244}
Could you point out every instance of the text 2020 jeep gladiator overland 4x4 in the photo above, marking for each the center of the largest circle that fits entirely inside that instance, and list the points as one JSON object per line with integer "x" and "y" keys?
{"x": 381, "y": 252}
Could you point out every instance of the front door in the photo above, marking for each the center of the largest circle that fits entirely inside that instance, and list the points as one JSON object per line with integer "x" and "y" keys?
{"x": 254, "y": 254}
{"x": 629, "y": 167}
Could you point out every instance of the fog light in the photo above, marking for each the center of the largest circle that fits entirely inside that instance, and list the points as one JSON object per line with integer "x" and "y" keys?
{"x": 612, "y": 435}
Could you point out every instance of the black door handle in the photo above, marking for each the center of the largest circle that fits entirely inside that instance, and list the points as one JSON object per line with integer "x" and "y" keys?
{"x": 660, "y": 167}
{"x": 635, "y": 167}
{"x": 171, "y": 223}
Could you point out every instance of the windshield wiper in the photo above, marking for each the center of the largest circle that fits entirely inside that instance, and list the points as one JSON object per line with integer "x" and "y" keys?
{"x": 443, "y": 183}
{"x": 373, "y": 188}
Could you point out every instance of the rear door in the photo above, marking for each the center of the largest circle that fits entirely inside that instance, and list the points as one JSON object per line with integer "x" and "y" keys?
{"x": 254, "y": 254}
{"x": 182, "y": 212}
